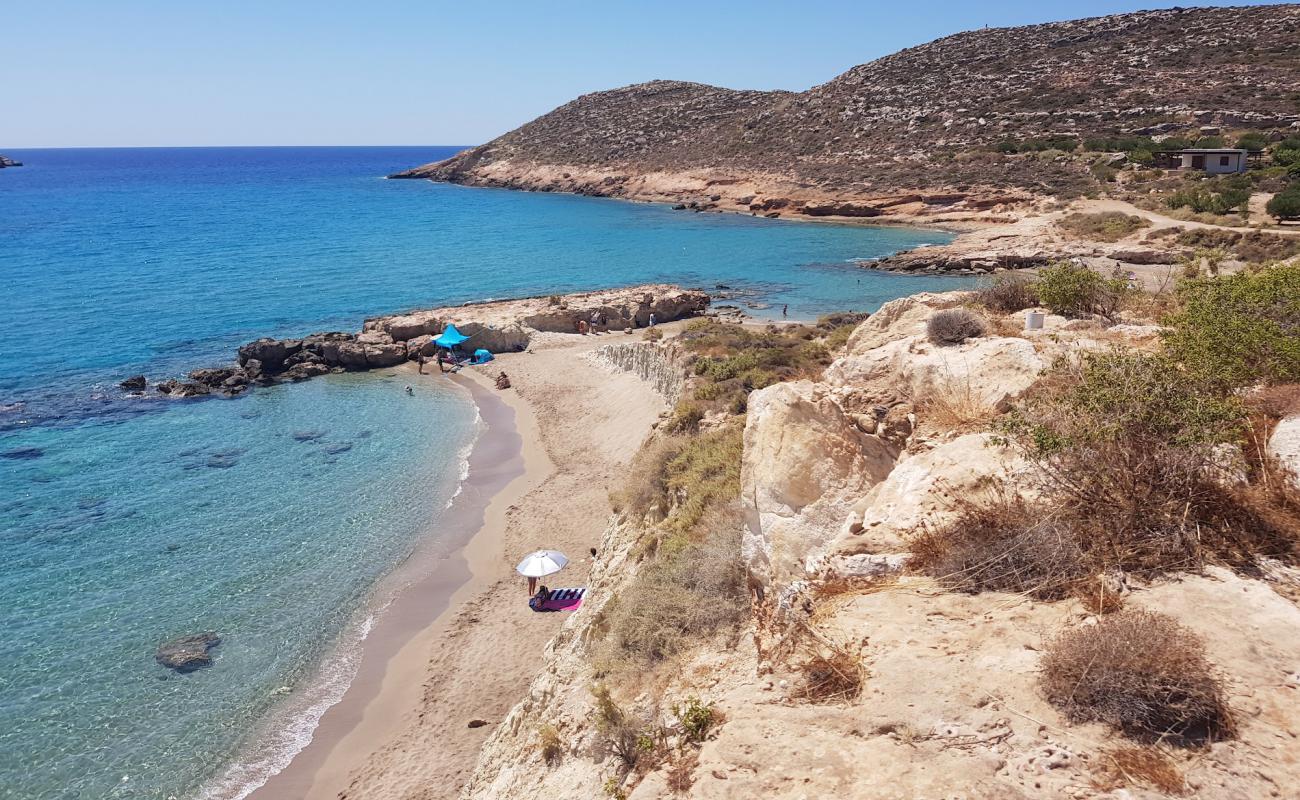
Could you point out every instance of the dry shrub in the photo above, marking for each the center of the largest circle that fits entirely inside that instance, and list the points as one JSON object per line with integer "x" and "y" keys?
{"x": 1147, "y": 766}
{"x": 1099, "y": 594}
{"x": 681, "y": 776}
{"x": 1002, "y": 544}
{"x": 1140, "y": 672}
{"x": 954, "y": 326}
{"x": 829, "y": 671}
{"x": 833, "y": 676}
{"x": 678, "y": 598}
{"x": 635, "y": 740}
{"x": 1150, "y": 508}
{"x": 1008, "y": 293}
{"x": 548, "y": 742}
{"x": 1275, "y": 402}
{"x": 953, "y": 405}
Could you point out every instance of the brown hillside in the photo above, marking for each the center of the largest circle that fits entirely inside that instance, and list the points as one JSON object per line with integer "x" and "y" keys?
{"x": 923, "y": 118}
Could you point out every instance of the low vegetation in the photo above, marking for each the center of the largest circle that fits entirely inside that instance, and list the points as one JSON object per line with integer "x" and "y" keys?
{"x": 1074, "y": 290}
{"x": 1250, "y": 247}
{"x": 1238, "y": 329}
{"x": 1104, "y": 226}
{"x": 549, "y": 744}
{"x": 954, "y": 326}
{"x": 1008, "y": 293}
{"x": 1212, "y": 195}
{"x": 1285, "y": 205}
{"x": 1143, "y": 765}
{"x": 1140, "y": 672}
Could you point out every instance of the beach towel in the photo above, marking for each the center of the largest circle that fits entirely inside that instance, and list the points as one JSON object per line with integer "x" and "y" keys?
{"x": 561, "y": 600}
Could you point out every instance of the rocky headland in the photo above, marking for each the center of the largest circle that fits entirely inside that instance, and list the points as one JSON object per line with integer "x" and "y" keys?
{"x": 915, "y": 134}
{"x": 496, "y": 326}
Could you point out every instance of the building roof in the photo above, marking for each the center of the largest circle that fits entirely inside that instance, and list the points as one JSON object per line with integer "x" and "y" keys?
{"x": 1211, "y": 150}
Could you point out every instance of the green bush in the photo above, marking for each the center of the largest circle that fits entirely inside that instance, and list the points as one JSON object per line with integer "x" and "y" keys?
{"x": 1074, "y": 290}
{"x": 1285, "y": 204}
{"x": 1235, "y": 330}
{"x": 1287, "y": 153}
{"x": 1103, "y": 226}
{"x": 1203, "y": 199}
{"x": 1252, "y": 140}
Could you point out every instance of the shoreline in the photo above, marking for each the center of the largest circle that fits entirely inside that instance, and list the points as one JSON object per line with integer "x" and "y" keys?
{"x": 418, "y": 598}
{"x": 461, "y": 646}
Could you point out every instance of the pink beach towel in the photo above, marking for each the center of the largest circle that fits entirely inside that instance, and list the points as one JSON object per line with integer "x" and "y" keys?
{"x": 563, "y": 600}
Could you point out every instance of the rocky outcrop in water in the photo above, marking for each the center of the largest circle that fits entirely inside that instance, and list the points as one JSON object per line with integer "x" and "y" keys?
{"x": 497, "y": 326}
{"x": 188, "y": 653}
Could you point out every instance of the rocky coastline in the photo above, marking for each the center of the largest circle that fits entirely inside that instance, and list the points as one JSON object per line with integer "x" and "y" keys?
{"x": 387, "y": 341}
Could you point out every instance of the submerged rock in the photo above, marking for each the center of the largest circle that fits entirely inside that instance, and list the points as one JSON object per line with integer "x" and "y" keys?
{"x": 133, "y": 383}
{"x": 23, "y": 453}
{"x": 188, "y": 653}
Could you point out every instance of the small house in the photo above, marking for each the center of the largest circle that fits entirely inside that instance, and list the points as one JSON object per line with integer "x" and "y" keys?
{"x": 1211, "y": 160}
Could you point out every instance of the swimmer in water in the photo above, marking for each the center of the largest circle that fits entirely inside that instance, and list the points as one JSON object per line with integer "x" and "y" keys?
{"x": 409, "y": 390}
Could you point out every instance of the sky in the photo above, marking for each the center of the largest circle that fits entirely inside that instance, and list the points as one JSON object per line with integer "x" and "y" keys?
{"x": 122, "y": 73}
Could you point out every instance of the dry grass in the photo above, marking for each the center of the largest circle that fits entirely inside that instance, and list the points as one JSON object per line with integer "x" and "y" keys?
{"x": 681, "y": 776}
{"x": 1103, "y": 226}
{"x": 954, "y": 405}
{"x": 954, "y": 326}
{"x": 1145, "y": 766}
{"x": 831, "y": 674}
{"x": 1100, "y": 594}
{"x": 1002, "y": 544}
{"x": 1140, "y": 672}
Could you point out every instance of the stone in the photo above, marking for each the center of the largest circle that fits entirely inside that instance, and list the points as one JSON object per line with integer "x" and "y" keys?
{"x": 1284, "y": 445}
{"x": 477, "y": 723}
{"x": 175, "y": 388}
{"x": 135, "y": 382}
{"x": 188, "y": 653}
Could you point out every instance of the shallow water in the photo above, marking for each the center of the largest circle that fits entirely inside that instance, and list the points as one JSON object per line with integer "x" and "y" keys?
{"x": 268, "y": 518}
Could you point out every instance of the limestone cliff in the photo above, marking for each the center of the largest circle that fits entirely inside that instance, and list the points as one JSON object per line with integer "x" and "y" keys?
{"x": 837, "y": 475}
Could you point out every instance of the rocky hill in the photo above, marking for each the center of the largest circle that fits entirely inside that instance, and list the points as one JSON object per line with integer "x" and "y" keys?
{"x": 915, "y": 129}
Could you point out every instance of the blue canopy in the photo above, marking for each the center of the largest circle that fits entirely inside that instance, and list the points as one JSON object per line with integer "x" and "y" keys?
{"x": 450, "y": 337}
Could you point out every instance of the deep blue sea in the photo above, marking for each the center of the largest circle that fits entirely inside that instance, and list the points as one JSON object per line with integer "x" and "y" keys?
{"x": 268, "y": 518}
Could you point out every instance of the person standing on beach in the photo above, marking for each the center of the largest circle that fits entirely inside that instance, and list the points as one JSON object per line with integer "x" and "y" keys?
{"x": 652, "y": 319}
{"x": 785, "y": 310}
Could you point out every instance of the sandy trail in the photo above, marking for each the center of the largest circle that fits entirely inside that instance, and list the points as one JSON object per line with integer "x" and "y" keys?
{"x": 580, "y": 426}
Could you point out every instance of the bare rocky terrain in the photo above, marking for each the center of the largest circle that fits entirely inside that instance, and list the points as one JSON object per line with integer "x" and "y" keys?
{"x": 912, "y": 133}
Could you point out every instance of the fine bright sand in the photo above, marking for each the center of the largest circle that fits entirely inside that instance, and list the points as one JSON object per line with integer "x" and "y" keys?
{"x": 461, "y": 644}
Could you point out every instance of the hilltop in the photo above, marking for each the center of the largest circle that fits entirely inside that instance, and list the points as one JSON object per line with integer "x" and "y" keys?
{"x": 927, "y": 128}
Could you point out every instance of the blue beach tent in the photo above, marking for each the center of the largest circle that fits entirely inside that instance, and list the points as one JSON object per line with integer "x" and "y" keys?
{"x": 450, "y": 337}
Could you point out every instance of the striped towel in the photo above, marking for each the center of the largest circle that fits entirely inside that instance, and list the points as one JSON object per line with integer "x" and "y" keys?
{"x": 563, "y": 600}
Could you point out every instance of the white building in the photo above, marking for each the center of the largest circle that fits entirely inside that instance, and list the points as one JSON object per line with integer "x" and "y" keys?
{"x": 1214, "y": 160}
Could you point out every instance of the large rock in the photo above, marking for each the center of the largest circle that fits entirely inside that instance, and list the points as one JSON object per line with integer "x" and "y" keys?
{"x": 925, "y": 490}
{"x": 1284, "y": 445}
{"x": 175, "y": 388}
{"x": 407, "y": 326}
{"x": 803, "y": 460}
{"x": 271, "y": 352}
{"x": 987, "y": 372}
{"x": 188, "y": 653}
{"x": 901, "y": 318}
{"x": 497, "y": 339}
{"x": 134, "y": 383}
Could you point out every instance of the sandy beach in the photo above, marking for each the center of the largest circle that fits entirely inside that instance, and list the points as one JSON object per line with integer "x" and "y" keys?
{"x": 459, "y": 645}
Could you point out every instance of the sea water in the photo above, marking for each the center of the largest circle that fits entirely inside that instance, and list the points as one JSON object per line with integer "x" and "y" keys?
{"x": 125, "y": 521}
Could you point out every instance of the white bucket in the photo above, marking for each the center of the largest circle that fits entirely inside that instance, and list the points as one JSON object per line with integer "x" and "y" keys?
{"x": 1034, "y": 320}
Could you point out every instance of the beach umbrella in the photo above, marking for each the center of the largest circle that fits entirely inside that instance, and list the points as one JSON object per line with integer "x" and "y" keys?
{"x": 541, "y": 563}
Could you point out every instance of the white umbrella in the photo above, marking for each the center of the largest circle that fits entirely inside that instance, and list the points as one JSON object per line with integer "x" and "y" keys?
{"x": 543, "y": 562}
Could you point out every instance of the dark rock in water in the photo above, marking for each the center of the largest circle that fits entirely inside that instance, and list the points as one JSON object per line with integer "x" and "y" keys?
{"x": 174, "y": 388}
{"x": 303, "y": 371}
{"x": 335, "y": 449}
{"x": 188, "y": 653}
{"x": 134, "y": 383}
{"x": 23, "y": 453}
{"x": 307, "y": 436}
{"x": 366, "y": 434}
{"x": 221, "y": 462}
{"x": 172, "y": 548}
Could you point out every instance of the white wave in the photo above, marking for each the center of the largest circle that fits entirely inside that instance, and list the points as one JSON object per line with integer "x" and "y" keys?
{"x": 291, "y": 728}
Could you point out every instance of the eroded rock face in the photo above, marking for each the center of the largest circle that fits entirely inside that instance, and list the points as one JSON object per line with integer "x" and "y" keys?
{"x": 497, "y": 339}
{"x": 188, "y": 653}
{"x": 803, "y": 457}
{"x": 925, "y": 489}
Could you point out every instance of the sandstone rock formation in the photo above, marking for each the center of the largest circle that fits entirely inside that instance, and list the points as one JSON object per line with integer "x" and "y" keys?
{"x": 1284, "y": 445}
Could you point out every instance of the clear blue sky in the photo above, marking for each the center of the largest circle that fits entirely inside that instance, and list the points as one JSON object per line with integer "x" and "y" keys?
{"x": 264, "y": 72}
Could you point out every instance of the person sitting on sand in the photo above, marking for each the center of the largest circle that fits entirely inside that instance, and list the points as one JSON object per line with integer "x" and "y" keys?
{"x": 538, "y": 600}
{"x": 503, "y": 381}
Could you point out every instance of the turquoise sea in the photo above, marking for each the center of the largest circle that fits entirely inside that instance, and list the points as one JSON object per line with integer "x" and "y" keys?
{"x": 268, "y": 518}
